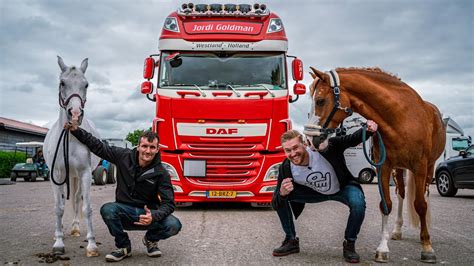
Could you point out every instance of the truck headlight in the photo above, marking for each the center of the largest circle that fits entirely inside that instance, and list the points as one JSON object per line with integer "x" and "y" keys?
{"x": 272, "y": 173}
{"x": 173, "y": 174}
{"x": 171, "y": 24}
{"x": 275, "y": 25}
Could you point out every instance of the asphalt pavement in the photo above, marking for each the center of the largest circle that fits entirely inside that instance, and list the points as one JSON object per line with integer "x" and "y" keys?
{"x": 232, "y": 234}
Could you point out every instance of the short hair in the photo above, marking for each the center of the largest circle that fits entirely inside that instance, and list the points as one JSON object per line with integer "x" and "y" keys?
{"x": 149, "y": 135}
{"x": 291, "y": 134}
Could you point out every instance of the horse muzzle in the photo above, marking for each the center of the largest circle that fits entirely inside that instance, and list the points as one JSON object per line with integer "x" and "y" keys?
{"x": 315, "y": 135}
{"x": 75, "y": 116}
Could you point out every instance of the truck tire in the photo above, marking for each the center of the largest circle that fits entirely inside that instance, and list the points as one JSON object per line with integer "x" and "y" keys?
{"x": 366, "y": 176}
{"x": 112, "y": 174}
{"x": 13, "y": 176}
{"x": 100, "y": 175}
{"x": 33, "y": 177}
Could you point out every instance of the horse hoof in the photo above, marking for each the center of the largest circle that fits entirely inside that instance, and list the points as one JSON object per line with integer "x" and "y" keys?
{"x": 92, "y": 253}
{"x": 428, "y": 257}
{"x": 381, "y": 256}
{"x": 75, "y": 232}
{"x": 396, "y": 236}
{"x": 59, "y": 251}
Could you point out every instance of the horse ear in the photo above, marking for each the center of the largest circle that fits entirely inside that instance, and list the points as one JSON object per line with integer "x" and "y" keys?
{"x": 317, "y": 73}
{"x": 84, "y": 65}
{"x": 61, "y": 64}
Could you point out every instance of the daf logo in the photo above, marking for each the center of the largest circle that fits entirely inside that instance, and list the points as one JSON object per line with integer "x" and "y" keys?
{"x": 221, "y": 131}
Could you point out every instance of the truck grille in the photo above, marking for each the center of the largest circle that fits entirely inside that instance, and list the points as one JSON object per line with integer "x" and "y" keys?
{"x": 226, "y": 163}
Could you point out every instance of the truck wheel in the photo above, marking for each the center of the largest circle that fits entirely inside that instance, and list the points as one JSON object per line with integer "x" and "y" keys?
{"x": 366, "y": 176}
{"x": 13, "y": 176}
{"x": 100, "y": 175}
{"x": 445, "y": 184}
{"x": 112, "y": 174}
{"x": 33, "y": 177}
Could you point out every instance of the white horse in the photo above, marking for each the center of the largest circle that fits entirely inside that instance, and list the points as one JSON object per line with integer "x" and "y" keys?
{"x": 72, "y": 97}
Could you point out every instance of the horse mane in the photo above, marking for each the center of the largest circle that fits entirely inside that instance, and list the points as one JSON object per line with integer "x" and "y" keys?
{"x": 376, "y": 70}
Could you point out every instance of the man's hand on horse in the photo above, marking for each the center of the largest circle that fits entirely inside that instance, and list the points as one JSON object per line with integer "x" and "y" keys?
{"x": 286, "y": 187}
{"x": 71, "y": 126}
{"x": 371, "y": 126}
{"x": 145, "y": 219}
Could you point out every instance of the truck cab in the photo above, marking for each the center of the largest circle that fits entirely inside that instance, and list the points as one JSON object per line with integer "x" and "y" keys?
{"x": 222, "y": 101}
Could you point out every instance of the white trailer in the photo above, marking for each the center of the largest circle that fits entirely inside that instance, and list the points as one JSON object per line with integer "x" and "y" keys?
{"x": 355, "y": 159}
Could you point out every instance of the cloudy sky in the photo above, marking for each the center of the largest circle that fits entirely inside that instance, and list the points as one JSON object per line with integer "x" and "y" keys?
{"x": 427, "y": 43}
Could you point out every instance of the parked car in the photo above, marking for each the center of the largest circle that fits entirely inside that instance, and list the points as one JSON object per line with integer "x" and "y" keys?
{"x": 455, "y": 173}
{"x": 106, "y": 172}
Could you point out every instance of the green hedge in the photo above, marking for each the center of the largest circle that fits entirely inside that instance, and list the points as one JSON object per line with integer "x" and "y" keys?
{"x": 8, "y": 160}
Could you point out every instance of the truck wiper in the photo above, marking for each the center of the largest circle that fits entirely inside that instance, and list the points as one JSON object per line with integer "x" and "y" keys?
{"x": 258, "y": 85}
{"x": 203, "y": 94}
{"x": 236, "y": 92}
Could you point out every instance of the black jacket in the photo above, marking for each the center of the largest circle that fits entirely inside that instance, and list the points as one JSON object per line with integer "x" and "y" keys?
{"x": 136, "y": 186}
{"x": 334, "y": 154}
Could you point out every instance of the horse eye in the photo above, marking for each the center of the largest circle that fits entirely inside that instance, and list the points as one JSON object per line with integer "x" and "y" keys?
{"x": 320, "y": 102}
{"x": 61, "y": 84}
{"x": 87, "y": 85}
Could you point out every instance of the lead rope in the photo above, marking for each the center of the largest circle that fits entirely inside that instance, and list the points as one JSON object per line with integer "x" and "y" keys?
{"x": 381, "y": 160}
{"x": 65, "y": 137}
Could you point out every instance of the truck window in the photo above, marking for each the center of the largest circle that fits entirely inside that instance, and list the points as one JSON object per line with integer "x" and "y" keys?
{"x": 216, "y": 69}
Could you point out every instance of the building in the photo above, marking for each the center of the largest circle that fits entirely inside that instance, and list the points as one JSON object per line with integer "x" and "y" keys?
{"x": 13, "y": 131}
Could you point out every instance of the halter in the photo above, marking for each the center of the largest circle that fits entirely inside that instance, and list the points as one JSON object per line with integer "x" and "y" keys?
{"x": 63, "y": 103}
{"x": 319, "y": 133}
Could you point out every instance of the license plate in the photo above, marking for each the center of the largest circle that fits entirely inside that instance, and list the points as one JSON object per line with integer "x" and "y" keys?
{"x": 221, "y": 194}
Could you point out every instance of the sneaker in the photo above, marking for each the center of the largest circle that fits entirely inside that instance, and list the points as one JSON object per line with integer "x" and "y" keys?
{"x": 152, "y": 249}
{"x": 119, "y": 254}
{"x": 289, "y": 246}
{"x": 349, "y": 253}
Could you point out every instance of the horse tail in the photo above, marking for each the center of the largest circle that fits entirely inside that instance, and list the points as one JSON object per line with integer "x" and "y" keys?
{"x": 413, "y": 216}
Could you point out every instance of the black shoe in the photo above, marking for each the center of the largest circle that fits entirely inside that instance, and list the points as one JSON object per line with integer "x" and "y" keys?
{"x": 349, "y": 253}
{"x": 119, "y": 254}
{"x": 152, "y": 249}
{"x": 289, "y": 246}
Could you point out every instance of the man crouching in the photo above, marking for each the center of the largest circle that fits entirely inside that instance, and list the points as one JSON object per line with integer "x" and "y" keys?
{"x": 144, "y": 197}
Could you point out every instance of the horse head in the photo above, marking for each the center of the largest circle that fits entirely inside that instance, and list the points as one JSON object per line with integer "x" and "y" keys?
{"x": 327, "y": 110}
{"x": 73, "y": 90}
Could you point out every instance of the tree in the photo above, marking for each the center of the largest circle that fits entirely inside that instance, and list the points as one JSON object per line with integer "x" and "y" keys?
{"x": 134, "y": 136}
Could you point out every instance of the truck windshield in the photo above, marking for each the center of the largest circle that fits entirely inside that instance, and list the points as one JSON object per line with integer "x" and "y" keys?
{"x": 216, "y": 70}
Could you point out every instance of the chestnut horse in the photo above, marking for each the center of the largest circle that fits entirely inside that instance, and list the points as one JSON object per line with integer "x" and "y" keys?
{"x": 412, "y": 131}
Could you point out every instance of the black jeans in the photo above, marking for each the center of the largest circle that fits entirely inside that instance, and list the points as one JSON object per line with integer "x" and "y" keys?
{"x": 350, "y": 195}
{"x": 119, "y": 217}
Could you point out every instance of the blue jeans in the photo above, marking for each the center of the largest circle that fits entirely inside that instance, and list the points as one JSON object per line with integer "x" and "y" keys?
{"x": 350, "y": 195}
{"x": 119, "y": 217}
{"x": 41, "y": 168}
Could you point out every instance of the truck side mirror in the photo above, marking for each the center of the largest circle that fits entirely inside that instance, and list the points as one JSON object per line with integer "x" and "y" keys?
{"x": 147, "y": 87}
{"x": 149, "y": 68}
{"x": 299, "y": 89}
{"x": 297, "y": 69}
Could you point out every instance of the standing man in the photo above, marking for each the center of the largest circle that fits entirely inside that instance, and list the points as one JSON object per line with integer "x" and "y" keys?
{"x": 309, "y": 176}
{"x": 144, "y": 197}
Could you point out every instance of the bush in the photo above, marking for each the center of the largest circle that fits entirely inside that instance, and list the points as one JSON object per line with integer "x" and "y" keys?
{"x": 8, "y": 159}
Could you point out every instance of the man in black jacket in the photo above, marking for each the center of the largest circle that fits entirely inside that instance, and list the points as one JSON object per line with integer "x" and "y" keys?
{"x": 144, "y": 194}
{"x": 309, "y": 176}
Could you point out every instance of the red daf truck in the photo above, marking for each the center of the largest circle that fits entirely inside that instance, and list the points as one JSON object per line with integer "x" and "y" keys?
{"x": 222, "y": 101}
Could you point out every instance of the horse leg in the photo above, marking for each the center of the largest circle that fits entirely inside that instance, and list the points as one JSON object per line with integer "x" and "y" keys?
{"x": 400, "y": 183}
{"x": 59, "y": 201}
{"x": 76, "y": 206}
{"x": 86, "y": 178}
{"x": 421, "y": 207}
{"x": 382, "y": 252}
